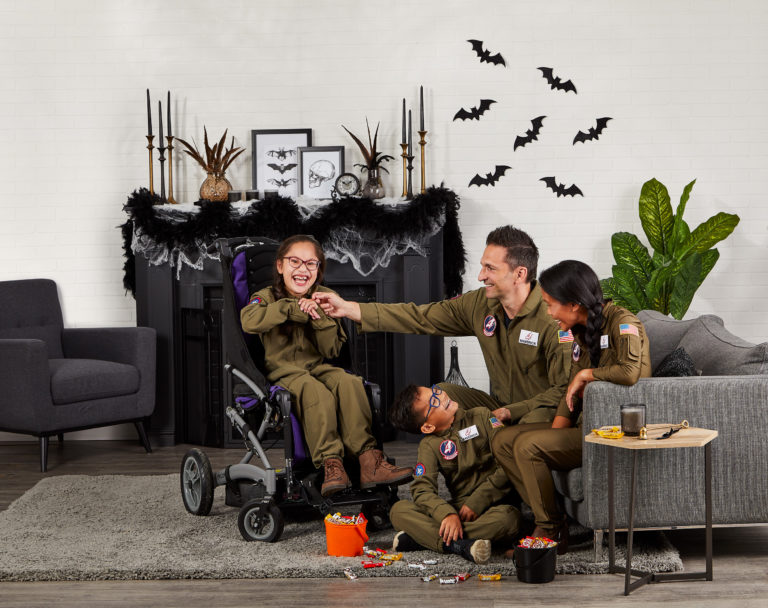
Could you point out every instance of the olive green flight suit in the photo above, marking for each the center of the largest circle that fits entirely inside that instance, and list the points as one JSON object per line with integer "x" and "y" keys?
{"x": 527, "y": 365}
{"x": 331, "y": 403}
{"x": 529, "y": 453}
{"x": 473, "y": 479}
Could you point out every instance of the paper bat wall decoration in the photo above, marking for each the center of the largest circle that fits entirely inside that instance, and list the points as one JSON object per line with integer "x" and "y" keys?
{"x": 555, "y": 82}
{"x": 485, "y": 55}
{"x": 490, "y": 179}
{"x": 560, "y": 189}
{"x": 476, "y": 112}
{"x": 282, "y": 168}
{"x": 594, "y": 132}
{"x": 282, "y": 183}
{"x": 530, "y": 134}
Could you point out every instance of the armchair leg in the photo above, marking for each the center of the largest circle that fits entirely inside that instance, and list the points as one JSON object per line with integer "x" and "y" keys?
{"x": 43, "y": 453}
{"x": 139, "y": 424}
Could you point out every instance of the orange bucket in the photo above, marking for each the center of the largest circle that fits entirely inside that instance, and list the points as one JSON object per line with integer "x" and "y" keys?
{"x": 345, "y": 540}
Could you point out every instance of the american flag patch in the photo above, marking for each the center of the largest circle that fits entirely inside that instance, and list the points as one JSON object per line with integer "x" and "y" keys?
{"x": 626, "y": 328}
{"x": 564, "y": 336}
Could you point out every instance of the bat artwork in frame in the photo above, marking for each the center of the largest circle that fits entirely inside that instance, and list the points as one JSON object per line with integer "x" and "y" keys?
{"x": 276, "y": 159}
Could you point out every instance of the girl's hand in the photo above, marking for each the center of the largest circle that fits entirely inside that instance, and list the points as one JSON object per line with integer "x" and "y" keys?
{"x": 451, "y": 528}
{"x": 310, "y": 307}
{"x": 577, "y": 386}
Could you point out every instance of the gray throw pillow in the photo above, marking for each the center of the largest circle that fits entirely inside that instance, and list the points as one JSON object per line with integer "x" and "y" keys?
{"x": 717, "y": 352}
{"x": 677, "y": 363}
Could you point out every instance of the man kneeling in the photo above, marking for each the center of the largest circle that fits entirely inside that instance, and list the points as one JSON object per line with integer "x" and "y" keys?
{"x": 458, "y": 445}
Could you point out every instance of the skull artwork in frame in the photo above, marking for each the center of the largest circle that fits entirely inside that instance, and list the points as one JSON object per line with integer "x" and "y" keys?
{"x": 319, "y": 166}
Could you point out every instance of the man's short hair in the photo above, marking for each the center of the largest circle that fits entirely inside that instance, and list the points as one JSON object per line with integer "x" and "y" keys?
{"x": 521, "y": 250}
{"x": 401, "y": 414}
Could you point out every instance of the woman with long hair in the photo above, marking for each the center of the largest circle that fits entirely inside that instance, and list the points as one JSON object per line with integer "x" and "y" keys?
{"x": 297, "y": 337}
{"x": 609, "y": 344}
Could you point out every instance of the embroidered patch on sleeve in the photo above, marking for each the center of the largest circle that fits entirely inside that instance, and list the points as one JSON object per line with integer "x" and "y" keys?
{"x": 564, "y": 336}
{"x": 495, "y": 422}
{"x": 256, "y": 300}
{"x": 626, "y": 328}
{"x": 418, "y": 470}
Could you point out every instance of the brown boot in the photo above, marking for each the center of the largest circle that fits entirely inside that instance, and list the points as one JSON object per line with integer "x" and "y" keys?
{"x": 375, "y": 470}
{"x": 335, "y": 477}
{"x": 558, "y": 533}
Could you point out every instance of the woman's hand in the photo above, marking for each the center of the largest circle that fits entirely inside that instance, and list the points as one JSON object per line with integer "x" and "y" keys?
{"x": 310, "y": 307}
{"x": 577, "y": 386}
{"x": 451, "y": 529}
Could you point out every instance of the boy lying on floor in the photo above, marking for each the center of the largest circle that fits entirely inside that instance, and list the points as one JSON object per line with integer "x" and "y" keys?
{"x": 458, "y": 445}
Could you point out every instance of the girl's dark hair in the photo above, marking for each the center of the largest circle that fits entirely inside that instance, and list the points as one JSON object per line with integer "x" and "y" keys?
{"x": 574, "y": 281}
{"x": 278, "y": 284}
{"x": 401, "y": 413}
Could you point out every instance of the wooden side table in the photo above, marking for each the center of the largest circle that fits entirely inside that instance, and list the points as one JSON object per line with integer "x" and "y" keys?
{"x": 684, "y": 438}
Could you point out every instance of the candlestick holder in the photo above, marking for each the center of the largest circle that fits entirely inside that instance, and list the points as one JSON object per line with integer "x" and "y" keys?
{"x": 171, "y": 200}
{"x": 409, "y": 193}
{"x": 161, "y": 158}
{"x": 150, "y": 147}
{"x": 404, "y": 147}
{"x": 422, "y": 143}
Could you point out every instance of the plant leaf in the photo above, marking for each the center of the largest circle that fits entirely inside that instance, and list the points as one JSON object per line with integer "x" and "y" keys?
{"x": 677, "y": 233}
{"x": 629, "y": 289}
{"x": 629, "y": 251}
{"x": 708, "y": 260}
{"x": 686, "y": 281}
{"x": 708, "y": 233}
{"x": 656, "y": 214}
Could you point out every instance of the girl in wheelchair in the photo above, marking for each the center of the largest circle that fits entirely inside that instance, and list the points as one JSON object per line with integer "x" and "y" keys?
{"x": 297, "y": 336}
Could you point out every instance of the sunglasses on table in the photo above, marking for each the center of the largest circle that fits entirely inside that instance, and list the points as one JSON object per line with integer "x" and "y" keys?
{"x": 295, "y": 262}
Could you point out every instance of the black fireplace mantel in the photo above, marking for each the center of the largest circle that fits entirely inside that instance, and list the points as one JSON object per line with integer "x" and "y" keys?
{"x": 182, "y": 301}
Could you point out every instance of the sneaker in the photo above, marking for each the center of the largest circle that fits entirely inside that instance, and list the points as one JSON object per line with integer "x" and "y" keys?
{"x": 473, "y": 550}
{"x": 335, "y": 478}
{"x": 403, "y": 542}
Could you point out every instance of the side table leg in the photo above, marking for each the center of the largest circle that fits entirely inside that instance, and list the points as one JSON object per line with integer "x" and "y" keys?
{"x": 708, "y": 506}
{"x": 631, "y": 523}
{"x": 611, "y": 516}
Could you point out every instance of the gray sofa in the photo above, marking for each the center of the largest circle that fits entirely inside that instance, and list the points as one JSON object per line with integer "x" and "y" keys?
{"x": 730, "y": 395}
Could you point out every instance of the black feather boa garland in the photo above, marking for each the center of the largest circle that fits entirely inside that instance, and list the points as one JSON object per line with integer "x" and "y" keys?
{"x": 279, "y": 218}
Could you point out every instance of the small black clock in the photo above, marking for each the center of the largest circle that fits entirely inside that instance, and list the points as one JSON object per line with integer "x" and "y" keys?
{"x": 346, "y": 184}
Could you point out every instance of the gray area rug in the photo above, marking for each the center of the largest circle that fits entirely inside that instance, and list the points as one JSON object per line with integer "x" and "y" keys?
{"x": 80, "y": 527}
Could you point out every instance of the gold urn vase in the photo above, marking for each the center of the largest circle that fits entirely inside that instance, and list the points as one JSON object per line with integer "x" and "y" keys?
{"x": 215, "y": 188}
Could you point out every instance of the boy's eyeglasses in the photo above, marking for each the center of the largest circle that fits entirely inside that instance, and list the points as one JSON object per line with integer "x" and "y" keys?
{"x": 434, "y": 400}
{"x": 295, "y": 262}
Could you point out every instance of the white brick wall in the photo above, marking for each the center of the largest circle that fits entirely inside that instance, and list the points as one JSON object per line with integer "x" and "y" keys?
{"x": 683, "y": 80}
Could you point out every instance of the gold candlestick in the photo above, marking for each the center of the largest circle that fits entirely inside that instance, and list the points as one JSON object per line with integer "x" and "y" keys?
{"x": 404, "y": 147}
{"x": 171, "y": 200}
{"x": 150, "y": 147}
{"x": 422, "y": 143}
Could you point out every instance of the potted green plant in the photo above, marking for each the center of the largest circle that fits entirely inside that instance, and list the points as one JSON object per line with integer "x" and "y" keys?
{"x": 682, "y": 258}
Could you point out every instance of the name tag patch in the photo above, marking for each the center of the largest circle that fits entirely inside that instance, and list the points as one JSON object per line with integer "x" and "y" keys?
{"x": 449, "y": 450}
{"x": 531, "y": 338}
{"x": 603, "y": 341}
{"x": 468, "y": 433}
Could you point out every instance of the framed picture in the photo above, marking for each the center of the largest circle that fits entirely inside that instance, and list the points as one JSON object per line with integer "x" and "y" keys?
{"x": 275, "y": 159}
{"x": 319, "y": 166}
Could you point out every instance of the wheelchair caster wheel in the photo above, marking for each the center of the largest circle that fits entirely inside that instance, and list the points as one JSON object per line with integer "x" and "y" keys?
{"x": 197, "y": 483}
{"x": 266, "y": 526}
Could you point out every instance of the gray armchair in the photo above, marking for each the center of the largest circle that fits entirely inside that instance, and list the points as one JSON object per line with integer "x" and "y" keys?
{"x": 55, "y": 380}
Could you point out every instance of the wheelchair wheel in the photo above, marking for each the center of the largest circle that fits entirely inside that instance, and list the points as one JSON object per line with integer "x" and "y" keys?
{"x": 197, "y": 483}
{"x": 266, "y": 528}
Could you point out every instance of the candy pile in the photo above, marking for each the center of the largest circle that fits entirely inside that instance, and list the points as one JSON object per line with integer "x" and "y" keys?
{"x": 537, "y": 542}
{"x": 350, "y": 520}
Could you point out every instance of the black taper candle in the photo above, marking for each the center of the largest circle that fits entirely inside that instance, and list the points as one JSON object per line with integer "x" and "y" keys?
{"x": 149, "y": 116}
{"x": 170, "y": 133}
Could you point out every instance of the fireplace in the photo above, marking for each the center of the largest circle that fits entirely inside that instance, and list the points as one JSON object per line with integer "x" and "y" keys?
{"x": 186, "y": 312}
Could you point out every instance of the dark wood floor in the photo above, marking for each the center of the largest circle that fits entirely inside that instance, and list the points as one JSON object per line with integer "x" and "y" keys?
{"x": 740, "y": 566}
